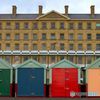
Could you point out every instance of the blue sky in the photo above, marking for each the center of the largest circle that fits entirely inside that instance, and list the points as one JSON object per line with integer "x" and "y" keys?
{"x": 31, "y": 6}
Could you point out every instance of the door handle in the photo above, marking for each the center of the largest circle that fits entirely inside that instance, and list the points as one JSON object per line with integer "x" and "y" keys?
{"x": 33, "y": 77}
{"x": 67, "y": 88}
{"x": 33, "y": 93}
{"x": 0, "y": 80}
{"x": 67, "y": 79}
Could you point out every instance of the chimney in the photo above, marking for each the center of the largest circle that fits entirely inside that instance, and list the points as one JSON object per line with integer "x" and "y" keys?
{"x": 92, "y": 10}
{"x": 66, "y": 9}
{"x": 40, "y": 10}
{"x": 14, "y": 10}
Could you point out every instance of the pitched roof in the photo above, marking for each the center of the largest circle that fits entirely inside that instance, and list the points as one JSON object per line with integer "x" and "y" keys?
{"x": 95, "y": 64}
{"x": 35, "y": 16}
{"x": 53, "y": 11}
{"x": 30, "y": 64}
{"x": 5, "y": 65}
{"x": 64, "y": 64}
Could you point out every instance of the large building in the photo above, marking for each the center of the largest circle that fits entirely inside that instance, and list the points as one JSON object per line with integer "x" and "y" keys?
{"x": 50, "y": 37}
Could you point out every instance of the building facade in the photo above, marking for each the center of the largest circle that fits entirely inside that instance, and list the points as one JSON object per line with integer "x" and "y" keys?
{"x": 50, "y": 37}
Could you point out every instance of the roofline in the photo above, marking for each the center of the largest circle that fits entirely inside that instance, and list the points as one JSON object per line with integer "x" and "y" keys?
{"x": 19, "y": 66}
{"x": 52, "y": 66}
{"x": 91, "y": 65}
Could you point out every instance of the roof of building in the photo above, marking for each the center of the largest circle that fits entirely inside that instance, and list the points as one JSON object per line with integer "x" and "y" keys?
{"x": 30, "y": 64}
{"x": 64, "y": 64}
{"x": 35, "y": 16}
{"x": 95, "y": 64}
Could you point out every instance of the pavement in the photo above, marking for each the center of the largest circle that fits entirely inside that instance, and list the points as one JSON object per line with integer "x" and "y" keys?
{"x": 30, "y": 98}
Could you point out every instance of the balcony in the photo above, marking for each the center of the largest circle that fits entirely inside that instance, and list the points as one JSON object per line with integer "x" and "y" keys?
{"x": 53, "y": 52}
{"x": 62, "y": 52}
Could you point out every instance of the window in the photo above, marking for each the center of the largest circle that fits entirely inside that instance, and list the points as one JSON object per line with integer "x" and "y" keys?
{"x": 97, "y": 36}
{"x": 71, "y": 47}
{"x": 7, "y": 46}
{"x": 35, "y": 37}
{"x": 26, "y": 25}
{"x": 16, "y": 46}
{"x": 71, "y": 25}
{"x": 35, "y": 58}
{"x": 17, "y": 25}
{"x": 71, "y": 58}
{"x": 8, "y": 25}
{"x": 53, "y": 25}
{"x": 61, "y": 36}
{"x": 43, "y": 60}
{"x": 98, "y": 26}
{"x": 35, "y": 47}
{"x": 25, "y": 58}
{"x": 0, "y": 25}
{"x": 17, "y": 37}
{"x": 7, "y": 36}
{"x": 89, "y": 59}
{"x": 53, "y": 46}
{"x": 62, "y": 25}
{"x": 71, "y": 36}
{"x": 0, "y": 36}
{"x": 97, "y": 46}
{"x": 8, "y": 59}
{"x": 25, "y": 36}
{"x": 53, "y": 59}
{"x": 44, "y": 36}
{"x": 80, "y": 37}
{"x": 80, "y": 47}
{"x": 16, "y": 60}
{"x": 62, "y": 46}
{"x": 43, "y": 46}
{"x": 35, "y": 26}
{"x": 89, "y": 25}
{"x": 89, "y": 47}
{"x": 44, "y": 25}
{"x": 89, "y": 37}
{"x": 25, "y": 46}
{"x": 53, "y": 37}
{"x": 80, "y": 25}
{"x": 79, "y": 60}
{"x": 62, "y": 57}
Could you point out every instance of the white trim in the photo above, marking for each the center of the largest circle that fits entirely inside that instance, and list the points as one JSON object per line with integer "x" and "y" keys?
{"x": 26, "y": 52}
{"x": 62, "y": 52}
{"x": 80, "y": 52}
{"x": 17, "y": 52}
{"x": 53, "y": 52}
{"x": 97, "y": 52}
{"x": 11, "y": 76}
{"x": 7, "y": 52}
{"x": 16, "y": 73}
{"x": 43, "y": 52}
{"x": 34, "y": 53}
{"x": 71, "y": 52}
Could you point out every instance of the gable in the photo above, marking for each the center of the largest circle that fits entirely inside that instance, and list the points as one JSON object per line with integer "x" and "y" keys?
{"x": 53, "y": 15}
{"x": 30, "y": 64}
{"x": 64, "y": 64}
{"x": 95, "y": 64}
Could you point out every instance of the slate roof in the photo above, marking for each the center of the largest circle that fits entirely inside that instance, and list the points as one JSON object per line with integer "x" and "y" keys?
{"x": 34, "y": 16}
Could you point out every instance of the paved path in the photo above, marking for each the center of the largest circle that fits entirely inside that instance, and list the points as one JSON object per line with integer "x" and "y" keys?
{"x": 6, "y": 98}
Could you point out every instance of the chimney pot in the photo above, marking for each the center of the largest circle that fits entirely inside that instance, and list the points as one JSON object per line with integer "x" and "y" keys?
{"x": 66, "y": 9}
{"x": 14, "y": 10}
{"x": 40, "y": 10}
{"x": 92, "y": 10}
